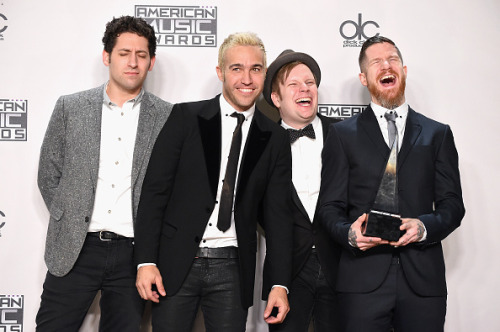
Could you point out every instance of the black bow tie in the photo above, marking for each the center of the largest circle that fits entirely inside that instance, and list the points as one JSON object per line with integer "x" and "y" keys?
{"x": 306, "y": 131}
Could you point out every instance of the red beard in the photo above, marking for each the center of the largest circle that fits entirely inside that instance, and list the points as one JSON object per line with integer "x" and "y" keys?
{"x": 389, "y": 99}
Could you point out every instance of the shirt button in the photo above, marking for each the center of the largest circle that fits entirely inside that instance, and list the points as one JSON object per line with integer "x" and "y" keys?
{"x": 204, "y": 241}
{"x": 119, "y": 139}
{"x": 109, "y": 211}
{"x": 112, "y": 186}
{"x": 210, "y": 224}
{"x": 117, "y": 162}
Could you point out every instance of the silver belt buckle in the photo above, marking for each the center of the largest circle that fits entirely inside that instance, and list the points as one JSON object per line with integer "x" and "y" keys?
{"x": 101, "y": 238}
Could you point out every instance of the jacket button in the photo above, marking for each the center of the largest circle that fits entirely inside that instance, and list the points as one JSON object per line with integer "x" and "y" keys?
{"x": 86, "y": 219}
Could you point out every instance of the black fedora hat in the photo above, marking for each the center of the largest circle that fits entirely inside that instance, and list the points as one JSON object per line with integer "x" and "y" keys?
{"x": 288, "y": 56}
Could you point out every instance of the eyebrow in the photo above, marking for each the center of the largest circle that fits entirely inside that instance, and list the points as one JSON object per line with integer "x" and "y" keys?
{"x": 129, "y": 50}
{"x": 241, "y": 65}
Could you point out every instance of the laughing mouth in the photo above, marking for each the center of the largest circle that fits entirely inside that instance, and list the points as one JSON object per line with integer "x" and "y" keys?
{"x": 303, "y": 101}
{"x": 388, "y": 79}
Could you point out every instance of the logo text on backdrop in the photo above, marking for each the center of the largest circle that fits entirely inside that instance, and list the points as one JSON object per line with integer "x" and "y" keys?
{"x": 181, "y": 26}
{"x": 340, "y": 111}
{"x": 355, "y": 33}
{"x": 13, "y": 120}
{"x": 11, "y": 313}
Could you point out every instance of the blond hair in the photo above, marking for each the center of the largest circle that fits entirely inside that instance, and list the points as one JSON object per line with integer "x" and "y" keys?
{"x": 240, "y": 39}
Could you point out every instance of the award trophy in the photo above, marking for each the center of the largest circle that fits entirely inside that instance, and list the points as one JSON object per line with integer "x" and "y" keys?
{"x": 383, "y": 220}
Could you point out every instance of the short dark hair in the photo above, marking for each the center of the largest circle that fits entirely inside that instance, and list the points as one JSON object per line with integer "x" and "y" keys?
{"x": 371, "y": 41}
{"x": 131, "y": 24}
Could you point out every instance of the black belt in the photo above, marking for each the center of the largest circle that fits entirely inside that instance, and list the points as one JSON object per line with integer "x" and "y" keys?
{"x": 107, "y": 236}
{"x": 224, "y": 252}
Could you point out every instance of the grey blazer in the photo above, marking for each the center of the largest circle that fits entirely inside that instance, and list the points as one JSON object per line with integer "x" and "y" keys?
{"x": 69, "y": 164}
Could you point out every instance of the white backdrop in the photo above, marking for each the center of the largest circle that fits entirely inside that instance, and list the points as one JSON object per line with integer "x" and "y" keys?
{"x": 53, "y": 47}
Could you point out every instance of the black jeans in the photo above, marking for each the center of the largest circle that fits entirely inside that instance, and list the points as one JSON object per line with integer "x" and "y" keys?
{"x": 213, "y": 283}
{"x": 311, "y": 297}
{"x": 105, "y": 266}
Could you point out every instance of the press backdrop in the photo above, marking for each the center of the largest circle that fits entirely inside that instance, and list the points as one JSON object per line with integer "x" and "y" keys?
{"x": 53, "y": 47}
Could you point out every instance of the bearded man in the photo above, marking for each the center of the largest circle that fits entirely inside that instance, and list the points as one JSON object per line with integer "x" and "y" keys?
{"x": 384, "y": 284}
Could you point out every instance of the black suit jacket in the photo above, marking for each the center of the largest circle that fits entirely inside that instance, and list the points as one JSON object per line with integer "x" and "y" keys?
{"x": 180, "y": 189}
{"x": 429, "y": 189}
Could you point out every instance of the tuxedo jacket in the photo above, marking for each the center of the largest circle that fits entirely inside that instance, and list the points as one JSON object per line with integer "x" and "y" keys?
{"x": 69, "y": 165}
{"x": 179, "y": 195}
{"x": 307, "y": 232}
{"x": 354, "y": 157}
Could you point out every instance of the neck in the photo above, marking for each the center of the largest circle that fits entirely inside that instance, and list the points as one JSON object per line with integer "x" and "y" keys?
{"x": 120, "y": 96}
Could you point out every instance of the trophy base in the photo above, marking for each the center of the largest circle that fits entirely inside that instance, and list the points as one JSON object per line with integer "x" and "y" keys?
{"x": 383, "y": 225}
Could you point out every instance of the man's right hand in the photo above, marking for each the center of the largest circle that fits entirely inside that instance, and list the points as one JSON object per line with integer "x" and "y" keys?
{"x": 147, "y": 276}
{"x": 356, "y": 238}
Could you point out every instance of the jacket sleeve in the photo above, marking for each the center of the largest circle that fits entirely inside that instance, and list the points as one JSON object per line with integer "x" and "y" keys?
{"x": 448, "y": 203}
{"x": 157, "y": 187}
{"x": 333, "y": 200}
{"x": 51, "y": 161}
{"x": 277, "y": 219}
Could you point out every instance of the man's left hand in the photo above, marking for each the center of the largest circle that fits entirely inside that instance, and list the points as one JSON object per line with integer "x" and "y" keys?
{"x": 277, "y": 298}
{"x": 414, "y": 232}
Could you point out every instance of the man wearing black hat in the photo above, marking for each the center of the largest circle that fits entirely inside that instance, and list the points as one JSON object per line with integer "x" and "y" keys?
{"x": 291, "y": 86}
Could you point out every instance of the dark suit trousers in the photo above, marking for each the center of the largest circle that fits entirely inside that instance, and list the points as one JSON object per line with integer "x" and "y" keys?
{"x": 213, "y": 283}
{"x": 106, "y": 266}
{"x": 393, "y": 304}
{"x": 311, "y": 298}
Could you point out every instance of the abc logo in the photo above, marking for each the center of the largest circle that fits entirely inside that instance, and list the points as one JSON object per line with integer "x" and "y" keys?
{"x": 359, "y": 29}
{"x": 3, "y": 28}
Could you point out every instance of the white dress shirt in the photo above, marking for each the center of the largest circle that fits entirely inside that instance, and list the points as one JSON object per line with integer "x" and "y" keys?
{"x": 213, "y": 237}
{"x": 306, "y": 166}
{"x": 113, "y": 198}
{"x": 402, "y": 112}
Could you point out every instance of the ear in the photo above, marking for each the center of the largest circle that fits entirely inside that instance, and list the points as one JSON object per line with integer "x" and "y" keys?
{"x": 152, "y": 63}
{"x": 276, "y": 99}
{"x": 220, "y": 73}
{"x": 362, "y": 79}
{"x": 405, "y": 70}
{"x": 105, "y": 58}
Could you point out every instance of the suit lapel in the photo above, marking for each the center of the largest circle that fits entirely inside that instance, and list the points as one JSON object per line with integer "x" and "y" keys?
{"x": 369, "y": 124}
{"x": 258, "y": 137}
{"x": 209, "y": 123}
{"x": 144, "y": 133}
{"x": 326, "y": 125}
{"x": 92, "y": 121}
{"x": 412, "y": 131}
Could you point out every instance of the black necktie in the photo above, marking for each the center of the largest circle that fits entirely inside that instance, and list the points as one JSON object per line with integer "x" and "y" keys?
{"x": 306, "y": 131}
{"x": 227, "y": 194}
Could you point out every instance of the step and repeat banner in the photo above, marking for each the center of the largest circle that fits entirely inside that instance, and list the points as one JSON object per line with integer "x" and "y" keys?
{"x": 53, "y": 47}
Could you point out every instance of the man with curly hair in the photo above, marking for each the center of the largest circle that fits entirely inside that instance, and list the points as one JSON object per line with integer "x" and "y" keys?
{"x": 92, "y": 165}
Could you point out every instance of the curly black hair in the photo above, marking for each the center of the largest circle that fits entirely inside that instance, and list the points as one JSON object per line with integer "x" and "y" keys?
{"x": 132, "y": 24}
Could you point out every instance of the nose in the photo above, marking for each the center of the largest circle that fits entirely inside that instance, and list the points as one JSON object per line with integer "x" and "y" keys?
{"x": 246, "y": 77}
{"x": 385, "y": 63}
{"x": 132, "y": 60}
{"x": 304, "y": 86}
